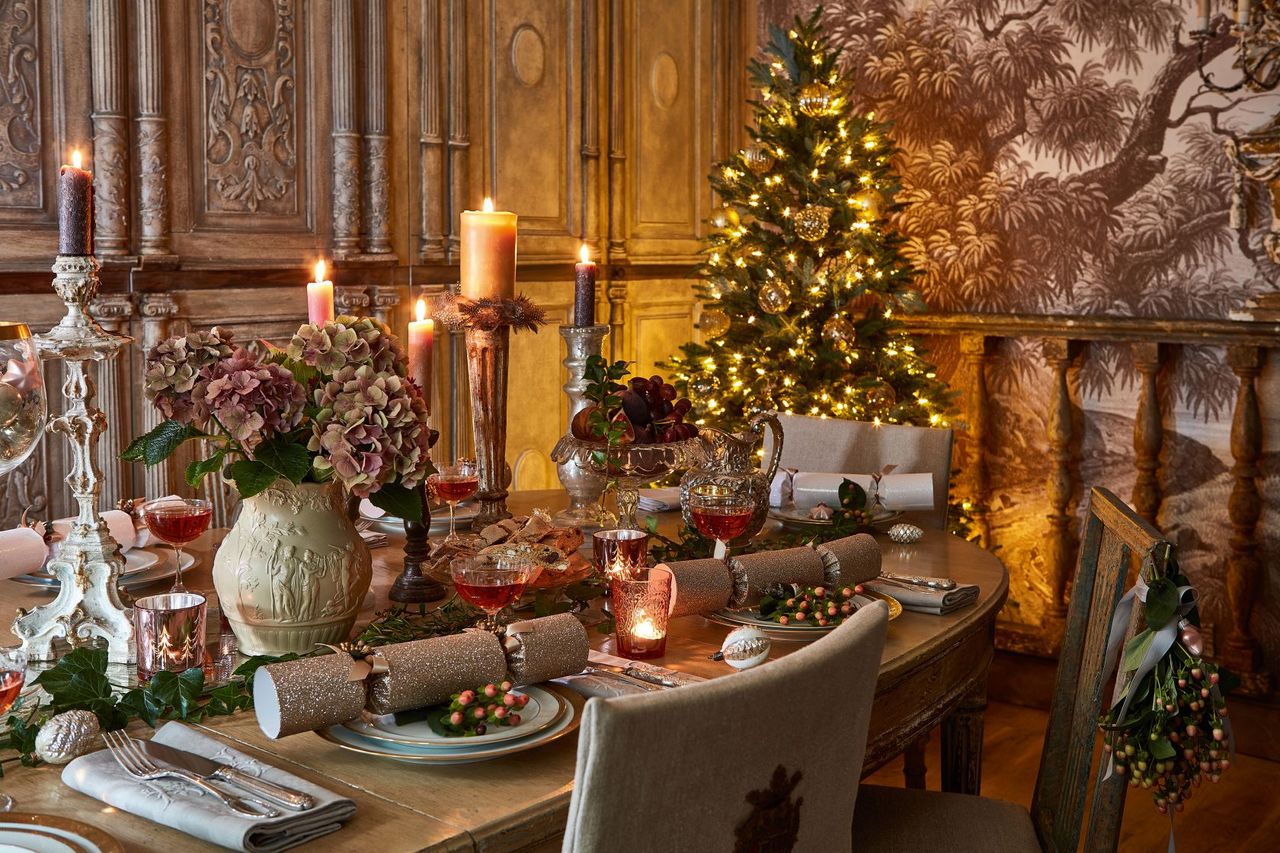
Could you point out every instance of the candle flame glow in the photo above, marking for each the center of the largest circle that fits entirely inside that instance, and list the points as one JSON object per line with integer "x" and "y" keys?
{"x": 584, "y": 254}
{"x": 320, "y": 269}
{"x": 421, "y": 310}
{"x": 76, "y": 160}
{"x": 645, "y": 629}
{"x": 488, "y": 205}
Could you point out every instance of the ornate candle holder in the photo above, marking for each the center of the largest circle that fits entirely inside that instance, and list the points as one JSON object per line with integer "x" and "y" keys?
{"x": 487, "y": 324}
{"x": 411, "y": 586}
{"x": 584, "y": 485}
{"x": 89, "y": 561}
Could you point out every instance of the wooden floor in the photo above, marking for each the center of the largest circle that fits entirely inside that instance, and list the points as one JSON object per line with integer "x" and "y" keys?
{"x": 1240, "y": 814}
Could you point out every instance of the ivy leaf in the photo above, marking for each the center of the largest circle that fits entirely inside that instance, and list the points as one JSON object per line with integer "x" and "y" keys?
{"x": 158, "y": 445}
{"x": 1162, "y": 603}
{"x": 251, "y": 476}
{"x": 200, "y": 468}
{"x": 79, "y": 682}
{"x": 287, "y": 458}
{"x": 852, "y": 496}
{"x": 141, "y": 703}
{"x": 399, "y": 501}
{"x": 229, "y": 698}
{"x": 22, "y": 739}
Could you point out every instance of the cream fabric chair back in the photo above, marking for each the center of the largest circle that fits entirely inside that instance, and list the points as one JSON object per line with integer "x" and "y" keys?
{"x": 858, "y": 447}
{"x": 766, "y": 759}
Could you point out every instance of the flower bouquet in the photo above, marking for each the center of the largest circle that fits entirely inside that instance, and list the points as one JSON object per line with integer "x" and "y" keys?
{"x": 335, "y": 405}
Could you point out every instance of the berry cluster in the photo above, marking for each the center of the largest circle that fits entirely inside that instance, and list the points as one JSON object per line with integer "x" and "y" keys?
{"x": 1180, "y": 744}
{"x": 812, "y": 605}
{"x": 471, "y": 712}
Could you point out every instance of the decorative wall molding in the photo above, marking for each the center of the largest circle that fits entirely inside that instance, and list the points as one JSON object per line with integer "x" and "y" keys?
{"x": 345, "y": 133}
{"x": 110, "y": 129}
{"x": 153, "y": 153}
{"x": 21, "y": 172}
{"x": 377, "y": 175}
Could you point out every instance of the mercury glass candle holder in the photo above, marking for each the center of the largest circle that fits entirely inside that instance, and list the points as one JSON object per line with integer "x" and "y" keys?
{"x": 640, "y": 609}
{"x": 619, "y": 551}
{"x": 584, "y": 485}
{"x": 170, "y": 632}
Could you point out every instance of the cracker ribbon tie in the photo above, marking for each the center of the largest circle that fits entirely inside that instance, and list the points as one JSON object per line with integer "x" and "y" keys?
{"x": 364, "y": 661}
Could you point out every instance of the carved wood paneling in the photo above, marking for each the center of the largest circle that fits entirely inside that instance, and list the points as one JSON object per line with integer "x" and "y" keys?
{"x": 110, "y": 129}
{"x": 1244, "y": 568}
{"x": 1061, "y": 484}
{"x": 433, "y": 200}
{"x": 20, "y": 106}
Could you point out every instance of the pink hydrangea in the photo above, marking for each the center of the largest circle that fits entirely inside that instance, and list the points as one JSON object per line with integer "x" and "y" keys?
{"x": 175, "y": 366}
{"x": 251, "y": 400}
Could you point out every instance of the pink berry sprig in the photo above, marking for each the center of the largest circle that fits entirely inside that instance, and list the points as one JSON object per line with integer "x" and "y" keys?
{"x": 820, "y": 606}
{"x": 471, "y": 712}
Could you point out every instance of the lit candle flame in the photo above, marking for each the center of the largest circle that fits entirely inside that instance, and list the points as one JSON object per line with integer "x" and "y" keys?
{"x": 421, "y": 310}
{"x": 645, "y": 629}
{"x": 76, "y": 160}
{"x": 488, "y": 205}
{"x": 320, "y": 270}
{"x": 584, "y": 254}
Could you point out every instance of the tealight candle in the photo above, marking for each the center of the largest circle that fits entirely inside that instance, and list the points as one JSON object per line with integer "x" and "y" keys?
{"x": 584, "y": 290}
{"x": 320, "y": 298}
{"x": 641, "y": 606}
{"x": 487, "y": 263}
{"x": 75, "y": 208}
{"x": 422, "y": 334}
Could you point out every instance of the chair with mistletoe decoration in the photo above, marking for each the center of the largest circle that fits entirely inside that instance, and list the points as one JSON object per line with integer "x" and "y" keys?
{"x": 1164, "y": 727}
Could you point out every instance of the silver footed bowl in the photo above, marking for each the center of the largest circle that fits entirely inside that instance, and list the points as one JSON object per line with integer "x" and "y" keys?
{"x": 630, "y": 465}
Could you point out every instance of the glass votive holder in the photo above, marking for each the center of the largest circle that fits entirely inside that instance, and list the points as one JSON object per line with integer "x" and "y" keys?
{"x": 641, "y": 605}
{"x": 169, "y": 632}
{"x": 620, "y": 551}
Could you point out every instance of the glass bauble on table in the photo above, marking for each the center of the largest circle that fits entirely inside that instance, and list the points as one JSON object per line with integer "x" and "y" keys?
{"x": 630, "y": 465}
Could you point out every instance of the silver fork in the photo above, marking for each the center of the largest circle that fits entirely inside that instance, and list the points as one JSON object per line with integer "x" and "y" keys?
{"x": 138, "y": 764}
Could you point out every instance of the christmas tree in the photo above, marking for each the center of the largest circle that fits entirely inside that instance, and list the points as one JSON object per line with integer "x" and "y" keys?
{"x": 803, "y": 282}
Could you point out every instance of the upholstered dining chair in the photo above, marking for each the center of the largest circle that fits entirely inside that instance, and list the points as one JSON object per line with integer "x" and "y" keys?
{"x": 767, "y": 759}
{"x": 900, "y": 820}
{"x": 858, "y": 447}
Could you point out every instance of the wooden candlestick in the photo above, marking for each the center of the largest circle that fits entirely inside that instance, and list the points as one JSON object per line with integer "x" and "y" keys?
{"x": 411, "y": 586}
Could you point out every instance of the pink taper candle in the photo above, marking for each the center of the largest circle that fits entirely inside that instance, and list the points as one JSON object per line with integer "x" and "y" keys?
{"x": 422, "y": 335}
{"x": 487, "y": 265}
{"x": 319, "y": 298}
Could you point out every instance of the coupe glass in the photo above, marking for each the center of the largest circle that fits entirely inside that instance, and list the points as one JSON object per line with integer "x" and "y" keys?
{"x": 177, "y": 521}
{"x": 721, "y": 512}
{"x": 490, "y": 583}
{"x": 452, "y": 484}
{"x": 22, "y": 399}
{"x": 13, "y": 674}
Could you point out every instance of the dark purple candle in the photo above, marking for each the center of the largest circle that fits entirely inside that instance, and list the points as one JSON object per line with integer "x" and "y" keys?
{"x": 75, "y": 209}
{"x": 584, "y": 291}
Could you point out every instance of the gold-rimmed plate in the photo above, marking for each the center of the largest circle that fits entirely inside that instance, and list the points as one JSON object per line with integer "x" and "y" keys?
{"x": 798, "y": 520}
{"x": 345, "y": 738}
{"x": 543, "y": 711}
{"x": 793, "y": 632}
{"x": 53, "y": 829}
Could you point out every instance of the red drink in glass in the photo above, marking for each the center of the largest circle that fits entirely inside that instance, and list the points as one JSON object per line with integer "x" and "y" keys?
{"x": 490, "y": 596}
{"x": 11, "y": 681}
{"x": 177, "y": 523}
{"x": 723, "y": 523}
{"x": 452, "y": 489}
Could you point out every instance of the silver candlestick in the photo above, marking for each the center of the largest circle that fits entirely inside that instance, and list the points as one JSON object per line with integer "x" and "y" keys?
{"x": 583, "y": 485}
{"x": 89, "y": 561}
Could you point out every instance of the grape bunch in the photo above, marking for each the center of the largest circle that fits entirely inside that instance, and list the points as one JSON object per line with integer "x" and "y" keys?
{"x": 813, "y": 605}
{"x": 471, "y": 712}
{"x": 646, "y": 410}
{"x": 654, "y": 410}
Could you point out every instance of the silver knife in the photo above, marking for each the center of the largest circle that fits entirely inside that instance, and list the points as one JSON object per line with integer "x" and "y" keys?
{"x": 210, "y": 770}
{"x": 636, "y": 674}
{"x": 916, "y": 580}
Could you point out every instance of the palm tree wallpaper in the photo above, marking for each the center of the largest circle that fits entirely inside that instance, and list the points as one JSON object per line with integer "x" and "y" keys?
{"x": 1059, "y": 157}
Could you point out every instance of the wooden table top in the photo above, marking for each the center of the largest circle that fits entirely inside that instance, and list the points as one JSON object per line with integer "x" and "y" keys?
{"x": 509, "y": 803}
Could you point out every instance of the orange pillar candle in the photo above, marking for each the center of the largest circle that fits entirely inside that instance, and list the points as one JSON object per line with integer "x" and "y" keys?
{"x": 319, "y": 298}
{"x": 422, "y": 335}
{"x": 488, "y": 261}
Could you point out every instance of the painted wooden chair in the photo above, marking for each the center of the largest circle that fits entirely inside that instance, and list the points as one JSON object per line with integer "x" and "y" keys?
{"x": 892, "y": 819}
{"x": 766, "y": 759}
{"x": 858, "y": 447}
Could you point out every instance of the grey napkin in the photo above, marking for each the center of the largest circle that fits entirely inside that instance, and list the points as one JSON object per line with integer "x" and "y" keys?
{"x": 183, "y": 807}
{"x": 938, "y": 602}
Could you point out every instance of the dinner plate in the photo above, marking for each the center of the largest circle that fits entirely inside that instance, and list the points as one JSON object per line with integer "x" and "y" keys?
{"x": 798, "y": 519}
{"x": 73, "y": 834}
{"x": 31, "y": 840}
{"x": 466, "y": 513}
{"x": 543, "y": 711}
{"x": 345, "y": 738}
{"x": 799, "y": 632}
{"x": 141, "y": 567}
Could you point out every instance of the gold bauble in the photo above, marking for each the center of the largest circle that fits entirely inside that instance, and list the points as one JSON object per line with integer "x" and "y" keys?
{"x": 726, "y": 217}
{"x": 881, "y": 397}
{"x": 839, "y": 333}
{"x": 812, "y": 222}
{"x": 870, "y": 202}
{"x": 816, "y": 100}
{"x": 774, "y": 297}
{"x": 757, "y": 158}
{"x": 713, "y": 322}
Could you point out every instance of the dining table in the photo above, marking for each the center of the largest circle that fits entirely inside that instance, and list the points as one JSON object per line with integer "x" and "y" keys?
{"x": 933, "y": 674}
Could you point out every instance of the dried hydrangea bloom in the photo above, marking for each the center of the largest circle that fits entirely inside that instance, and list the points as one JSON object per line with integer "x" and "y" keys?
{"x": 348, "y": 341}
{"x": 175, "y": 366}
{"x": 251, "y": 400}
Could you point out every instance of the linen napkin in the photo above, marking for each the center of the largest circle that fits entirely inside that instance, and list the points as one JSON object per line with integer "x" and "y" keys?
{"x": 921, "y": 599}
{"x": 183, "y": 807}
{"x": 659, "y": 500}
{"x": 606, "y": 686}
{"x": 23, "y": 549}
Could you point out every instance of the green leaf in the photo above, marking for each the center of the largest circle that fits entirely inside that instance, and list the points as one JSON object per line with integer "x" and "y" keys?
{"x": 1136, "y": 649}
{"x": 200, "y": 468}
{"x": 399, "y": 501}
{"x": 1162, "y": 603}
{"x": 158, "y": 445}
{"x": 852, "y": 496}
{"x": 79, "y": 682}
{"x": 302, "y": 372}
{"x": 287, "y": 458}
{"x": 251, "y": 477}
{"x": 1162, "y": 749}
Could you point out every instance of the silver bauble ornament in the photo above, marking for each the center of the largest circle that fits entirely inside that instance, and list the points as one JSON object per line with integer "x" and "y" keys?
{"x": 744, "y": 648}
{"x": 774, "y": 297}
{"x": 816, "y": 100}
{"x": 757, "y": 158}
{"x": 881, "y": 397}
{"x": 905, "y": 534}
{"x": 812, "y": 222}
{"x": 701, "y": 386}
{"x": 67, "y": 735}
{"x": 839, "y": 333}
{"x": 713, "y": 322}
